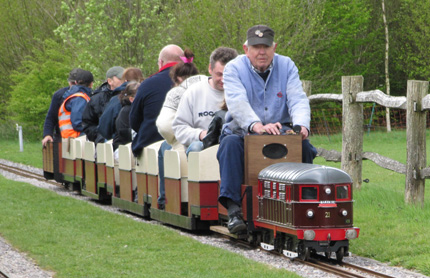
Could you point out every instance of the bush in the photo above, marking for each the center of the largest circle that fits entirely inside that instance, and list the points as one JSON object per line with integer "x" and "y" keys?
{"x": 34, "y": 84}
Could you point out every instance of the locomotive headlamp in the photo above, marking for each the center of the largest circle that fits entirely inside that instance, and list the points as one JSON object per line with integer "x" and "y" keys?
{"x": 344, "y": 212}
{"x": 309, "y": 235}
{"x": 351, "y": 234}
{"x": 310, "y": 213}
{"x": 327, "y": 190}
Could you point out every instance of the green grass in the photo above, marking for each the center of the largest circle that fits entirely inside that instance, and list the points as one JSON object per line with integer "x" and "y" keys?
{"x": 75, "y": 239}
{"x": 390, "y": 230}
{"x": 31, "y": 155}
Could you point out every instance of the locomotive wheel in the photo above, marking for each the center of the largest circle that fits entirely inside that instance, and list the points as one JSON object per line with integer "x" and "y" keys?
{"x": 327, "y": 255}
{"x": 304, "y": 252}
{"x": 339, "y": 254}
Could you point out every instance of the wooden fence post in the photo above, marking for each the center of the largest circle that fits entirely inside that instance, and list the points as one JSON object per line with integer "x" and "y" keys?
{"x": 352, "y": 128}
{"x": 307, "y": 87}
{"x": 416, "y": 142}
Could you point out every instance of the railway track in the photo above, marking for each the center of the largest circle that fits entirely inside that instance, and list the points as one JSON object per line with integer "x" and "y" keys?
{"x": 341, "y": 270}
{"x": 3, "y": 275}
{"x": 25, "y": 173}
{"x": 344, "y": 269}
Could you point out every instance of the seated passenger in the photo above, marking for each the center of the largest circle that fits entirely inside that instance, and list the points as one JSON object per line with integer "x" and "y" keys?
{"x": 108, "y": 118}
{"x": 74, "y": 102}
{"x": 149, "y": 99}
{"x": 123, "y": 133}
{"x": 99, "y": 99}
{"x": 51, "y": 130}
{"x": 180, "y": 75}
{"x": 200, "y": 102}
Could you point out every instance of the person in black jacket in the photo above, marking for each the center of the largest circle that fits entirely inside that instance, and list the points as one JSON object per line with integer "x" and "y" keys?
{"x": 99, "y": 99}
{"x": 108, "y": 118}
{"x": 51, "y": 130}
{"x": 123, "y": 131}
{"x": 150, "y": 98}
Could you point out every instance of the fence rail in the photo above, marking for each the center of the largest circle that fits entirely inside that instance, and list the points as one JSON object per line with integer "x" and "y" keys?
{"x": 352, "y": 98}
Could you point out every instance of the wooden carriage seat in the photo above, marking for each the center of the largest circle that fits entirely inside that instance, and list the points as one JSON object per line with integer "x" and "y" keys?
{"x": 79, "y": 148}
{"x": 152, "y": 173}
{"x": 127, "y": 173}
{"x": 203, "y": 177}
{"x": 141, "y": 175}
{"x": 175, "y": 180}
{"x": 112, "y": 172}
{"x": 90, "y": 167}
{"x": 68, "y": 153}
{"x": 101, "y": 164}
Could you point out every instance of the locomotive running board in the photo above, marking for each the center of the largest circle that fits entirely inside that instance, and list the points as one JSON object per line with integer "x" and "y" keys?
{"x": 290, "y": 254}
{"x": 223, "y": 230}
{"x": 267, "y": 247}
{"x": 286, "y": 253}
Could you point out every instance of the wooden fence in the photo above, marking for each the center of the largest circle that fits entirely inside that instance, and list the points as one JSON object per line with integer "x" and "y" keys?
{"x": 416, "y": 104}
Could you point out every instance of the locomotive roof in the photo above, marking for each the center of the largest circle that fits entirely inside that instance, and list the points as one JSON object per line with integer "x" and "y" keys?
{"x": 302, "y": 173}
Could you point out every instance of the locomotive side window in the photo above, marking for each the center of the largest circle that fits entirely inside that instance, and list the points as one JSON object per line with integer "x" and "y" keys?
{"x": 309, "y": 193}
{"x": 343, "y": 192}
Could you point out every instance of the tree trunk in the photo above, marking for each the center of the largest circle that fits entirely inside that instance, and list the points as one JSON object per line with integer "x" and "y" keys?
{"x": 387, "y": 77}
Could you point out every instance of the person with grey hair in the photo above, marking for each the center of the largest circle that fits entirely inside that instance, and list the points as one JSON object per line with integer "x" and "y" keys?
{"x": 200, "y": 102}
{"x": 264, "y": 94}
{"x": 150, "y": 97}
{"x": 100, "y": 97}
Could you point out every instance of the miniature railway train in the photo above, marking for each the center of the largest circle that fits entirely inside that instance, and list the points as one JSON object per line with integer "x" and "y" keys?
{"x": 293, "y": 208}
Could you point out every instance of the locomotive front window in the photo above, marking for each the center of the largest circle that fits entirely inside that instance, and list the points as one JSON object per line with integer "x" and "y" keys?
{"x": 343, "y": 192}
{"x": 309, "y": 193}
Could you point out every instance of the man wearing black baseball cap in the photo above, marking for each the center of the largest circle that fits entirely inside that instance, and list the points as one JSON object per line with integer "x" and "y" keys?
{"x": 264, "y": 94}
{"x": 51, "y": 130}
{"x": 74, "y": 102}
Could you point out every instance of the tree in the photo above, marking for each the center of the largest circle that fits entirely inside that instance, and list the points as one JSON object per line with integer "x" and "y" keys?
{"x": 387, "y": 76}
{"x": 25, "y": 25}
{"x": 39, "y": 76}
{"x": 105, "y": 33}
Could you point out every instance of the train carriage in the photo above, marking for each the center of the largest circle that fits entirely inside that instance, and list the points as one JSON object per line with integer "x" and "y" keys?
{"x": 294, "y": 208}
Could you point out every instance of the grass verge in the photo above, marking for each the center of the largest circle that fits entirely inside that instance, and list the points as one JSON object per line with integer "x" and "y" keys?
{"x": 75, "y": 239}
{"x": 391, "y": 231}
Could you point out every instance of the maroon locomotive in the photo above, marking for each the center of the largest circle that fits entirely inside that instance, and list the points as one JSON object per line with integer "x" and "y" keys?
{"x": 306, "y": 208}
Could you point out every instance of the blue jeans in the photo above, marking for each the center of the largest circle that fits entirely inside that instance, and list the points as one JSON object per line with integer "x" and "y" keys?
{"x": 196, "y": 146}
{"x": 164, "y": 147}
{"x": 231, "y": 158}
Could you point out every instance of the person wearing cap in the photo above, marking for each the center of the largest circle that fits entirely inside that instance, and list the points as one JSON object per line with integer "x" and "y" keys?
{"x": 150, "y": 98}
{"x": 264, "y": 94}
{"x": 99, "y": 99}
{"x": 51, "y": 130}
{"x": 74, "y": 102}
{"x": 108, "y": 118}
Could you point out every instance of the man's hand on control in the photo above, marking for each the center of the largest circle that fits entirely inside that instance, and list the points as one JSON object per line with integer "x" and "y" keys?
{"x": 259, "y": 128}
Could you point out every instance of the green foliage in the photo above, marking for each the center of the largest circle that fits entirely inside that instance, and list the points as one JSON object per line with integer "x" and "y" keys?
{"x": 36, "y": 80}
{"x": 24, "y": 26}
{"x": 104, "y": 33}
{"x": 412, "y": 38}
